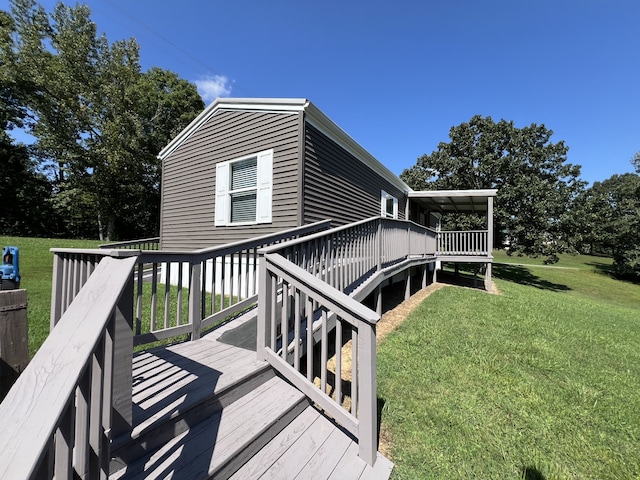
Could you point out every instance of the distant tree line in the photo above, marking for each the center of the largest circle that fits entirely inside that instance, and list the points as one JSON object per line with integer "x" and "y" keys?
{"x": 98, "y": 120}
{"x": 543, "y": 208}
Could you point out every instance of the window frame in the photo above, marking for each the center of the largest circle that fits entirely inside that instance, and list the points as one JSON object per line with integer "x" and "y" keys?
{"x": 384, "y": 211}
{"x": 263, "y": 189}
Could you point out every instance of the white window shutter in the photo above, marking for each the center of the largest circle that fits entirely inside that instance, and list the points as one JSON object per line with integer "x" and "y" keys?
{"x": 395, "y": 207}
{"x": 222, "y": 199}
{"x": 265, "y": 187}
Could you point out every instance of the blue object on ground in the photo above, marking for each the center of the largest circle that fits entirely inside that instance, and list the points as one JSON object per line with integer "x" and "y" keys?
{"x": 10, "y": 268}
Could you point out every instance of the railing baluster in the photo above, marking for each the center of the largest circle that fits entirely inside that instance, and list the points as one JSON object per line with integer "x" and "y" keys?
{"x": 284, "y": 319}
{"x": 309, "y": 315}
{"x": 179, "y": 319}
{"x": 138, "y": 319}
{"x": 338, "y": 381}
{"x": 324, "y": 345}
{"x": 296, "y": 329}
{"x": 154, "y": 295}
{"x": 167, "y": 296}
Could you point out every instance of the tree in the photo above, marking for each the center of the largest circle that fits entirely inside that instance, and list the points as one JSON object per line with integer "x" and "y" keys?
{"x": 24, "y": 192}
{"x": 98, "y": 119}
{"x": 536, "y": 186}
{"x": 609, "y": 214}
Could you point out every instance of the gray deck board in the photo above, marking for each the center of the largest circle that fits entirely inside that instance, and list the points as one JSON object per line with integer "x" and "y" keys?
{"x": 208, "y": 446}
{"x": 267, "y": 431}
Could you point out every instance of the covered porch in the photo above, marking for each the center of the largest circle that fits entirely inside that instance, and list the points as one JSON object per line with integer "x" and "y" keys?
{"x": 456, "y": 246}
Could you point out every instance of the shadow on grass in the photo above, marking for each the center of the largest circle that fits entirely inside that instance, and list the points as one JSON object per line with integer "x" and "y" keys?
{"x": 532, "y": 473}
{"x": 524, "y": 276}
{"x": 599, "y": 267}
{"x": 608, "y": 270}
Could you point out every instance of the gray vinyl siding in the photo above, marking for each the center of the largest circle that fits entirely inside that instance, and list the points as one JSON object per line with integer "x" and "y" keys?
{"x": 338, "y": 186}
{"x": 189, "y": 176}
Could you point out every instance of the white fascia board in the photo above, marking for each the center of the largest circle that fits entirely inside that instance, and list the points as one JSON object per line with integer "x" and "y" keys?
{"x": 282, "y": 105}
{"x": 327, "y": 126}
{"x": 488, "y": 192}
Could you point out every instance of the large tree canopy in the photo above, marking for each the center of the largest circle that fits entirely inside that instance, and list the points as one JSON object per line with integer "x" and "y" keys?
{"x": 607, "y": 221}
{"x": 536, "y": 185}
{"x": 99, "y": 121}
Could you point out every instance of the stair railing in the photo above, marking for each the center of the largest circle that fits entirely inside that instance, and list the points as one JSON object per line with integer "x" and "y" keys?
{"x": 59, "y": 417}
{"x": 308, "y": 313}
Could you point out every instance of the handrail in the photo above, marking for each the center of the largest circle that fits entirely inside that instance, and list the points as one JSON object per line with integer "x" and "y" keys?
{"x": 310, "y": 301}
{"x": 176, "y": 292}
{"x": 58, "y": 417}
{"x": 308, "y": 288}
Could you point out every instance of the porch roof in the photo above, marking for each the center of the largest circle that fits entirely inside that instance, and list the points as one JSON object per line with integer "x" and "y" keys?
{"x": 453, "y": 201}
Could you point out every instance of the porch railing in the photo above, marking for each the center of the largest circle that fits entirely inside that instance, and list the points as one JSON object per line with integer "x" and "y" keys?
{"x": 307, "y": 308}
{"x": 463, "y": 243}
{"x": 59, "y": 417}
{"x": 175, "y": 292}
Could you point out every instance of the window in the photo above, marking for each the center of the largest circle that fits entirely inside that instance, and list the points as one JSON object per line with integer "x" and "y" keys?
{"x": 243, "y": 190}
{"x": 389, "y": 205}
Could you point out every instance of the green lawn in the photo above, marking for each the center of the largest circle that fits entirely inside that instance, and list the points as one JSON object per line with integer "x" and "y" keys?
{"x": 36, "y": 267}
{"x": 540, "y": 382}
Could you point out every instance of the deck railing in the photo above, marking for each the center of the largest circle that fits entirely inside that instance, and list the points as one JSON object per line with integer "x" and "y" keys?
{"x": 141, "y": 244}
{"x": 463, "y": 243}
{"x": 307, "y": 308}
{"x": 175, "y": 292}
{"x": 59, "y": 417}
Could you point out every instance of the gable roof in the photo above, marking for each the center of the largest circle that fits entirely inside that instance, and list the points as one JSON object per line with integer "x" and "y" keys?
{"x": 313, "y": 115}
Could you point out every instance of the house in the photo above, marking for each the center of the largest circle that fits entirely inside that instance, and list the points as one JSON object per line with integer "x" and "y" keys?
{"x": 276, "y": 226}
{"x": 250, "y": 167}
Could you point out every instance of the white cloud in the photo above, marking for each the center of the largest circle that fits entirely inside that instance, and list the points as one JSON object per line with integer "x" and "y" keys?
{"x": 212, "y": 87}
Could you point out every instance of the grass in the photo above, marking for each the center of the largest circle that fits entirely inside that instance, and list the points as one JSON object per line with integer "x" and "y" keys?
{"x": 36, "y": 267}
{"x": 540, "y": 382}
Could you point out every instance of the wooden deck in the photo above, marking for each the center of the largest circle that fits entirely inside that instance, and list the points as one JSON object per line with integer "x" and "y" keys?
{"x": 209, "y": 409}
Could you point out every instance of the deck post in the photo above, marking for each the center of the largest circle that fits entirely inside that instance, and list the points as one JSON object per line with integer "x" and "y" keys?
{"x": 378, "y": 299}
{"x": 122, "y": 416}
{"x": 368, "y": 417}
{"x": 56, "y": 290}
{"x": 425, "y": 269}
{"x": 487, "y": 277}
{"x": 264, "y": 307}
{"x": 407, "y": 284}
{"x": 195, "y": 299}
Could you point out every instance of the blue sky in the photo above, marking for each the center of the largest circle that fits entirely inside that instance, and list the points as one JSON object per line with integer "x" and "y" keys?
{"x": 397, "y": 75}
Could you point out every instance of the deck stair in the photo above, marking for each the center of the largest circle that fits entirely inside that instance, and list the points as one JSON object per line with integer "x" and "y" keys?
{"x": 209, "y": 409}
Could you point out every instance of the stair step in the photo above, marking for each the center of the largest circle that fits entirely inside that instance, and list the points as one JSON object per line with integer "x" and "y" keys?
{"x": 312, "y": 447}
{"x": 222, "y": 443}
{"x": 173, "y": 393}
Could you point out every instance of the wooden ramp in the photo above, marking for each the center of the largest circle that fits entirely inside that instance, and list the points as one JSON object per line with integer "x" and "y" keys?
{"x": 209, "y": 409}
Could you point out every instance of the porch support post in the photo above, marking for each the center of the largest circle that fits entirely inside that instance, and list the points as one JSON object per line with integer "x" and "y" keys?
{"x": 407, "y": 284}
{"x": 378, "y": 299}
{"x": 487, "y": 278}
{"x": 425, "y": 269}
